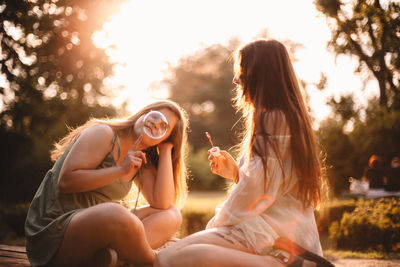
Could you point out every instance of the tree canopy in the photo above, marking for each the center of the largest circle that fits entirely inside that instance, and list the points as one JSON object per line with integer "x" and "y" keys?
{"x": 368, "y": 30}
{"x": 348, "y": 151}
{"x": 48, "y": 56}
{"x": 51, "y": 76}
{"x": 202, "y": 84}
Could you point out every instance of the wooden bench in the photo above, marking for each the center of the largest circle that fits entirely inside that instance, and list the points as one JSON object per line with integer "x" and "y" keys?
{"x": 13, "y": 256}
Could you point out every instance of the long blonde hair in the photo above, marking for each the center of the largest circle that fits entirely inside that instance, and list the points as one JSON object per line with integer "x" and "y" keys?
{"x": 267, "y": 83}
{"x": 125, "y": 126}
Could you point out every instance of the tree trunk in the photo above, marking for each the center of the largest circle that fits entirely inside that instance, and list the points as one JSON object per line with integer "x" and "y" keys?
{"x": 382, "y": 89}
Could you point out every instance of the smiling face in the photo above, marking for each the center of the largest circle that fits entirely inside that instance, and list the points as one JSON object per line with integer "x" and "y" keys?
{"x": 152, "y": 125}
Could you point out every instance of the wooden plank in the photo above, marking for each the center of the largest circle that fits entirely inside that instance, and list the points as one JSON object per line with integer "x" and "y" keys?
{"x": 13, "y": 256}
{"x": 13, "y": 262}
{"x": 12, "y": 248}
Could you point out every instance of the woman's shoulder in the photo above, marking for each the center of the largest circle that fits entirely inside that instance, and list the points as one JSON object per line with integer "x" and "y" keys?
{"x": 100, "y": 128}
{"x": 98, "y": 133}
{"x": 274, "y": 123}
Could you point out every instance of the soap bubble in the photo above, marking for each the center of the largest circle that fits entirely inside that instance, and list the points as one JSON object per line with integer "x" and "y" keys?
{"x": 155, "y": 125}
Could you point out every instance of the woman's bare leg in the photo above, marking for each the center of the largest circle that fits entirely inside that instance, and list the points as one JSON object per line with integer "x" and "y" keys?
{"x": 100, "y": 226}
{"x": 197, "y": 255}
{"x": 211, "y": 248}
{"x": 159, "y": 225}
{"x": 214, "y": 236}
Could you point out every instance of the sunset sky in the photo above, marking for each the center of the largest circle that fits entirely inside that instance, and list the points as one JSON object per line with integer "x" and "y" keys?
{"x": 148, "y": 34}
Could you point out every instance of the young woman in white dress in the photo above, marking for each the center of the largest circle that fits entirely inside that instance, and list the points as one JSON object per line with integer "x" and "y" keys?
{"x": 278, "y": 174}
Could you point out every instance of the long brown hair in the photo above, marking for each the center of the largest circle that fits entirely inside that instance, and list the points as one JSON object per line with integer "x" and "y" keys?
{"x": 178, "y": 137}
{"x": 267, "y": 84}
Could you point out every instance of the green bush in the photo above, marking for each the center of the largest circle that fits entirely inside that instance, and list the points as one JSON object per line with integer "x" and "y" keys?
{"x": 333, "y": 211}
{"x": 373, "y": 225}
{"x": 201, "y": 177}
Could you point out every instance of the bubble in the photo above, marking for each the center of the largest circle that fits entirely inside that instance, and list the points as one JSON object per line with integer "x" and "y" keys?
{"x": 155, "y": 125}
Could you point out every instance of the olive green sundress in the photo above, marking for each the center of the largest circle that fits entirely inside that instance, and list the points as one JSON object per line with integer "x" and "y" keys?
{"x": 51, "y": 211}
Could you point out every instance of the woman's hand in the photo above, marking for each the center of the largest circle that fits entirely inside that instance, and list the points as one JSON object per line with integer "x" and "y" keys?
{"x": 224, "y": 165}
{"x": 132, "y": 162}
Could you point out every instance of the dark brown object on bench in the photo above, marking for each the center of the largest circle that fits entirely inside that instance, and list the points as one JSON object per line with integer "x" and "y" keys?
{"x": 297, "y": 251}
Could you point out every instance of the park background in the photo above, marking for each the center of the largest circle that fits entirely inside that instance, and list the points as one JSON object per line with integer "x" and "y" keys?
{"x": 63, "y": 62}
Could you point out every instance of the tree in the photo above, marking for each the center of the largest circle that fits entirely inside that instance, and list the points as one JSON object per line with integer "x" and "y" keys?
{"x": 48, "y": 56}
{"x": 344, "y": 108}
{"x": 369, "y": 30}
{"x": 348, "y": 151}
{"x": 53, "y": 76}
{"x": 202, "y": 84}
{"x": 339, "y": 151}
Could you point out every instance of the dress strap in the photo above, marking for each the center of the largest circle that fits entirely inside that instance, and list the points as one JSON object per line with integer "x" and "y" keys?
{"x": 139, "y": 173}
{"x": 116, "y": 136}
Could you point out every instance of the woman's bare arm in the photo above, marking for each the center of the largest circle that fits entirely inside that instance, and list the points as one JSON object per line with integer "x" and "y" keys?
{"x": 158, "y": 185}
{"x": 79, "y": 173}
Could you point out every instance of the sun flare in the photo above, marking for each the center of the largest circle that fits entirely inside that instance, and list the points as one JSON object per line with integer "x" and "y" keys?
{"x": 146, "y": 36}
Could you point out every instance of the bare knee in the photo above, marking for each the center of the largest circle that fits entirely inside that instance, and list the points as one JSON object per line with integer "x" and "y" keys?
{"x": 175, "y": 217}
{"x": 195, "y": 254}
{"x": 172, "y": 221}
{"x": 117, "y": 220}
{"x": 171, "y": 217}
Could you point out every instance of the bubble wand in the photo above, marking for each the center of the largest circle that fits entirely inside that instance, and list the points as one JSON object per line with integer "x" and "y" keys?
{"x": 214, "y": 151}
{"x": 209, "y": 138}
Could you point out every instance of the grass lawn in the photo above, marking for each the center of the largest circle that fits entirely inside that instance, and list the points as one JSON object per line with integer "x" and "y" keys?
{"x": 204, "y": 201}
{"x": 348, "y": 254}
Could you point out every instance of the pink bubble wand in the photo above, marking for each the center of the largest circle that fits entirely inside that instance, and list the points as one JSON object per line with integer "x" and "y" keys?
{"x": 215, "y": 150}
{"x": 209, "y": 138}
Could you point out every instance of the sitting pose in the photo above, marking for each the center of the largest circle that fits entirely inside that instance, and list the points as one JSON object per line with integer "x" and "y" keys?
{"x": 375, "y": 173}
{"x": 76, "y": 211}
{"x": 278, "y": 176}
{"x": 392, "y": 181}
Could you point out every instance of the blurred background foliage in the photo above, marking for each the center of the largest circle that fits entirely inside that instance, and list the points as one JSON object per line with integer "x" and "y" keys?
{"x": 367, "y": 30}
{"x": 55, "y": 77}
{"x": 202, "y": 84}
